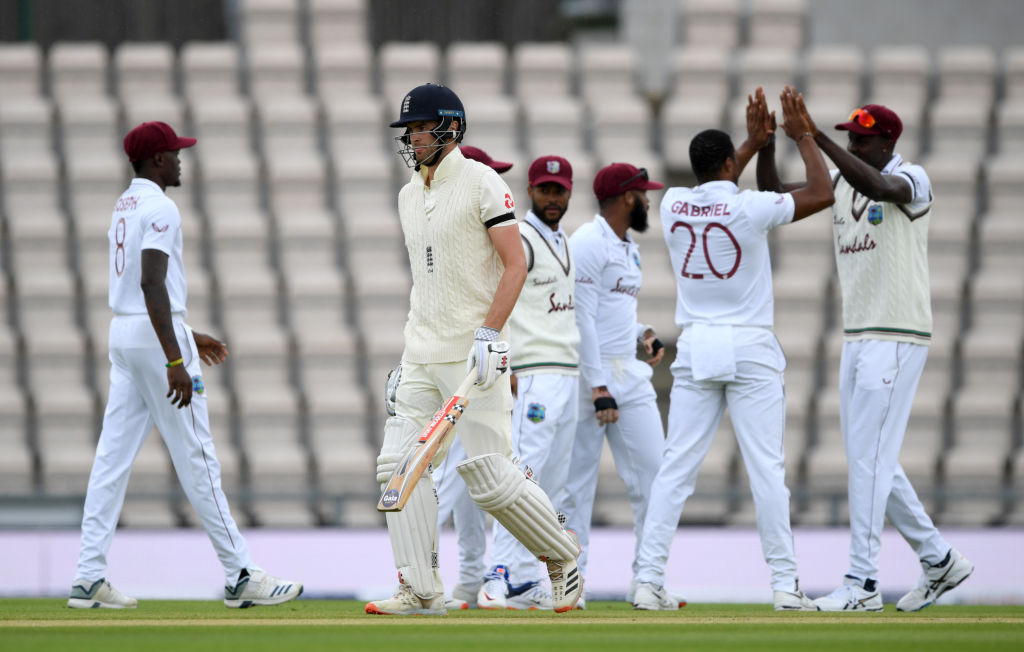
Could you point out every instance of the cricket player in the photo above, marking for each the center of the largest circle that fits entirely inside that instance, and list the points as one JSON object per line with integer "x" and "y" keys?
{"x": 468, "y": 267}
{"x": 728, "y": 355}
{"x": 880, "y": 225}
{"x": 616, "y": 397}
{"x": 453, "y": 499}
{"x": 155, "y": 378}
{"x": 545, "y": 378}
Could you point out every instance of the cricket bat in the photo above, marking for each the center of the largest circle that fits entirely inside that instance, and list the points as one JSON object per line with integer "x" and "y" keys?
{"x": 415, "y": 463}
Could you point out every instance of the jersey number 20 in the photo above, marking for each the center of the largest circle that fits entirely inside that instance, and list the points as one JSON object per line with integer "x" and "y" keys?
{"x": 707, "y": 254}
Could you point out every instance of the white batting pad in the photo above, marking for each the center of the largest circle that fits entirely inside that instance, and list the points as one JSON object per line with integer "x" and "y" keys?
{"x": 498, "y": 487}
{"x": 413, "y": 530}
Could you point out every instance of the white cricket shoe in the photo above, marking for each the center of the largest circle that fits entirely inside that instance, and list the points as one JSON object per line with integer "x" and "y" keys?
{"x": 257, "y": 588}
{"x": 406, "y": 603}
{"x": 680, "y": 600}
{"x": 494, "y": 592}
{"x": 566, "y": 581}
{"x": 581, "y": 604}
{"x": 530, "y": 596}
{"x": 650, "y": 597}
{"x": 851, "y": 596}
{"x": 98, "y": 595}
{"x": 463, "y": 597}
{"x": 795, "y": 600}
{"x": 936, "y": 580}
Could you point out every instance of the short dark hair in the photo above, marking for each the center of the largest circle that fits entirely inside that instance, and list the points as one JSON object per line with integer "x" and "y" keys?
{"x": 708, "y": 152}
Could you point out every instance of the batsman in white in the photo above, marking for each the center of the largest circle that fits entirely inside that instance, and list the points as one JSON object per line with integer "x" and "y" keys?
{"x": 545, "y": 378}
{"x": 468, "y": 267}
{"x": 154, "y": 356}
{"x": 616, "y": 397}
{"x": 880, "y": 225}
{"x": 453, "y": 500}
{"x": 728, "y": 355}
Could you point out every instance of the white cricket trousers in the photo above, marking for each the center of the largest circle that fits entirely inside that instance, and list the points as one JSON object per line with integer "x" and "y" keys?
{"x": 757, "y": 408}
{"x": 470, "y": 521}
{"x": 543, "y": 430}
{"x": 637, "y": 441}
{"x": 877, "y": 382}
{"x": 137, "y": 401}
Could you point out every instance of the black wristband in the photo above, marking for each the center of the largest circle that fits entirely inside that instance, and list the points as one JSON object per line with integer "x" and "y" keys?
{"x": 605, "y": 403}
{"x": 656, "y": 346}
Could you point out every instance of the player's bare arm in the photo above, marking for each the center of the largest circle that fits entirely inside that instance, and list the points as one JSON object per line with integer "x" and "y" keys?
{"x": 509, "y": 245}
{"x": 760, "y": 128}
{"x": 865, "y": 178}
{"x": 817, "y": 194}
{"x": 158, "y": 305}
{"x": 211, "y": 350}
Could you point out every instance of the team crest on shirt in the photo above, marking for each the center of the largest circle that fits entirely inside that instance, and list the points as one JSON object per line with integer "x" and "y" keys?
{"x": 875, "y": 215}
{"x": 197, "y": 385}
{"x": 535, "y": 412}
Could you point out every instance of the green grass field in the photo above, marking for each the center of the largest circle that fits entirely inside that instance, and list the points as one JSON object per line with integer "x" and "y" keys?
{"x": 43, "y": 625}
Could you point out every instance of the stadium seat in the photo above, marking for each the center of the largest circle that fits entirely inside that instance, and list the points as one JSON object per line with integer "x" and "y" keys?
{"x": 777, "y": 24}
{"x": 288, "y": 127}
{"x": 78, "y": 70}
{"x": 832, "y": 87}
{"x": 144, "y": 69}
{"x": 210, "y": 69}
{"x": 269, "y": 23}
{"x": 21, "y": 70}
{"x": 405, "y": 65}
{"x": 277, "y": 71}
{"x": 899, "y": 77}
{"x": 607, "y": 72}
{"x": 343, "y": 70}
{"x": 711, "y": 23}
{"x": 542, "y": 70}
{"x": 332, "y": 21}
{"x": 554, "y": 125}
{"x": 477, "y": 70}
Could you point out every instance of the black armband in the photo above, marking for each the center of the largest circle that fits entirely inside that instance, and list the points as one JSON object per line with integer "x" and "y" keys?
{"x": 605, "y": 403}
{"x": 656, "y": 346}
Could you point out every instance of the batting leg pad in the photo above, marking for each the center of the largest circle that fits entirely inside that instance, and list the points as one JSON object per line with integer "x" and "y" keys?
{"x": 499, "y": 488}
{"x": 413, "y": 530}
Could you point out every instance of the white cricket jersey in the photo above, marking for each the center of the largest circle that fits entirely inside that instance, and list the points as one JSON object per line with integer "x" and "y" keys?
{"x": 144, "y": 218}
{"x": 455, "y": 267}
{"x": 542, "y": 326}
{"x": 882, "y": 258}
{"x": 608, "y": 280}
{"x": 717, "y": 238}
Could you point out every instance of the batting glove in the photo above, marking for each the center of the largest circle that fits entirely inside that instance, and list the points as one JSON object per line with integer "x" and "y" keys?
{"x": 391, "y": 388}
{"x": 488, "y": 356}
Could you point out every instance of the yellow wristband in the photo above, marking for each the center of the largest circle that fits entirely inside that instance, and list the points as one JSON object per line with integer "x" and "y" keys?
{"x": 175, "y": 363}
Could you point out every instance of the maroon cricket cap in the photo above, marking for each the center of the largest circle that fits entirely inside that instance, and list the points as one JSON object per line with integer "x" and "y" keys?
{"x": 478, "y": 154}
{"x": 149, "y": 138}
{"x": 617, "y": 178}
{"x": 550, "y": 169}
{"x": 874, "y": 120}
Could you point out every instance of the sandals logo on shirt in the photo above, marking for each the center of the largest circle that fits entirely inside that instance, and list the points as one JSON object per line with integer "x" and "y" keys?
{"x": 535, "y": 412}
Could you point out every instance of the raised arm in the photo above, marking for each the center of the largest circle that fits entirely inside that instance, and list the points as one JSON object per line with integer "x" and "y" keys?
{"x": 864, "y": 178}
{"x": 760, "y": 128}
{"x": 817, "y": 194}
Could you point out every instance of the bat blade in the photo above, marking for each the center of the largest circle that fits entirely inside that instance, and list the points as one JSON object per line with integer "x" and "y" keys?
{"x": 414, "y": 464}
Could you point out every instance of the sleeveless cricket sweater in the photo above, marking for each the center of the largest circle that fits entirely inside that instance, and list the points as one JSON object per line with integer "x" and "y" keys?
{"x": 881, "y": 253}
{"x": 543, "y": 324}
{"x": 455, "y": 268}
